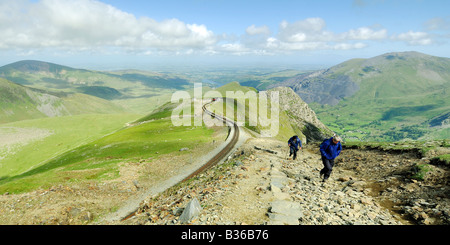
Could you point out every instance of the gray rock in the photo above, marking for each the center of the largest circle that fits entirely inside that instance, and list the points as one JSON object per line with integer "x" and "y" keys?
{"x": 279, "y": 182}
{"x": 239, "y": 163}
{"x": 286, "y": 208}
{"x": 192, "y": 210}
{"x": 282, "y": 219}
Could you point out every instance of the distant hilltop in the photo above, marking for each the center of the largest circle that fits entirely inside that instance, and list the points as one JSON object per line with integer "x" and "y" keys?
{"x": 393, "y": 96}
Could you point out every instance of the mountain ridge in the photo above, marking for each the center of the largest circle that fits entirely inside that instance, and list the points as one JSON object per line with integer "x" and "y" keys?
{"x": 54, "y": 77}
{"x": 35, "y": 66}
{"x": 392, "y": 96}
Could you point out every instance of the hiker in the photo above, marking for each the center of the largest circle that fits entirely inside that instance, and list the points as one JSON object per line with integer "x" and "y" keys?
{"x": 330, "y": 149}
{"x": 294, "y": 144}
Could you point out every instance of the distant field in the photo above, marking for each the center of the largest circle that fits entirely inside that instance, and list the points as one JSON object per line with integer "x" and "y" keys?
{"x": 144, "y": 105}
{"x": 36, "y": 141}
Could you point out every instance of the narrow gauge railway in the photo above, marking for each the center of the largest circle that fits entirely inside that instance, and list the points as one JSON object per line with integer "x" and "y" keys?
{"x": 226, "y": 150}
{"x": 219, "y": 156}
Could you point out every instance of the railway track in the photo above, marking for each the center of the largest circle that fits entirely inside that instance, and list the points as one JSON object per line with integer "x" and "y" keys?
{"x": 225, "y": 151}
{"x": 218, "y": 157}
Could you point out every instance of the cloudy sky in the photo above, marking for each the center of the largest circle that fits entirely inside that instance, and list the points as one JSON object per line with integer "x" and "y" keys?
{"x": 119, "y": 32}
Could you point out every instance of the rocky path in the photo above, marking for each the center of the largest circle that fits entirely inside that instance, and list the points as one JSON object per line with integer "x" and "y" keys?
{"x": 301, "y": 197}
{"x": 259, "y": 186}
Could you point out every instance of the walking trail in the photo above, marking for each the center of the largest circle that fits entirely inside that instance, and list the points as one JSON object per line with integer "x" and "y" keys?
{"x": 258, "y": 185}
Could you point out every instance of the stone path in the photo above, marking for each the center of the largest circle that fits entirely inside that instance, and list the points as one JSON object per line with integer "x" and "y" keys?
{"x": 302, "y": 198}
{"x": 258, "y": 187}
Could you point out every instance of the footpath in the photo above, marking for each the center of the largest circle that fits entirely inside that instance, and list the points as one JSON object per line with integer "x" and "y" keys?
{"x": 258, "y": 185}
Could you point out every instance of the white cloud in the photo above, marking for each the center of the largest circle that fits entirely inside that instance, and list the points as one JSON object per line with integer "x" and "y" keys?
{"x": 437, "y": 24}
{"x": 93, "y": 26}
{"x": 56, "y": 24}
{"x": 365, "y": 33}
{"x": 262, "y": 30}
{"x": 308, "y": 30}
{"x": 349, "y": 46}
{"x": 414, "y": 38}
{"x": 311, "y": 34}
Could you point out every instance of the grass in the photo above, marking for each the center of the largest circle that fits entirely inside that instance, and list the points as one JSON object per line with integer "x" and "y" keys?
{"x": 78, "y": 149}
{"x": 67, "y": 132}
{"x": 393, "y": 97}
{"x": 145, "y": 104}
{"x": 163, "y": 111}
{"x": 285, "y": 128}
{"x": 98, "y": 159}
{"x": 445, "y": 159}
{"x": 410, "y": 115}
{"x": 420, "y": 170}
{"x": 420, "y": 147}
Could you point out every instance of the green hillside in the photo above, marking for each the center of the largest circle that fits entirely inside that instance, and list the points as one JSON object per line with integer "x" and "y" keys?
{"x": 91, "y": 147}
{"x": 286, "y": 128}
{"x": 130, "y": 88}
{"x": 19, "y": 102}
{"x": 15, "y": 103}
{"x": 51, "y": 76}
{"x": 390, "y": 97}
{"x": 33, "y": 142}
{"x": 95, "y": 150}
{"x": 233, "y": 87}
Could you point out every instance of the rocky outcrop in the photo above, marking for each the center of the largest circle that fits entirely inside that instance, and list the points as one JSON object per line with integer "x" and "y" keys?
{"x": 302, "y": 115}
{"x": 319, "y": 87}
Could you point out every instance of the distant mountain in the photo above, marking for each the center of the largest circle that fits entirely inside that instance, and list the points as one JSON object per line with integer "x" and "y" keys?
{"x": 106, "y": 85}
{"x": 18, "y": 102}
{"x": 393, "y": 96}
{"x": 34, "y": 66}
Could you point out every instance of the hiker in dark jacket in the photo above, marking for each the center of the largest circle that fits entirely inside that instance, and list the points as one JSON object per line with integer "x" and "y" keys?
{"x": 294, "y": 144}
{"x": 330, "y": 149}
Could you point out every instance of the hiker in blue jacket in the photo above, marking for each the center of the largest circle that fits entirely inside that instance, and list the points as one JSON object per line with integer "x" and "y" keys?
{"x": 330, "y": 149}
{"x": 294, "y": 144}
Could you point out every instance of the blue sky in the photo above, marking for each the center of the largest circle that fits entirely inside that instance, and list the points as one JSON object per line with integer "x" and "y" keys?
{"x": 117, "y": 33}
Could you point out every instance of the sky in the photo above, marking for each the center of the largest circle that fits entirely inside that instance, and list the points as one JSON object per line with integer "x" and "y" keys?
{"x": 114, "y": 34}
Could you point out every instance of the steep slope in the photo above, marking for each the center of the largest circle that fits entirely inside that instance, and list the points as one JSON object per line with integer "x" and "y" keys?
{"x": 280, "y": 127}
{"x": 302, "y": 115}
{"x": 389, "y": 97}
{"x": 19, "y": 102}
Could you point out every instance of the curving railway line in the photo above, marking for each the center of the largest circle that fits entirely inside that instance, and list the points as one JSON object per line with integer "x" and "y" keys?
{"x": 226, "y": 150}
{"x": 216, "y": 158}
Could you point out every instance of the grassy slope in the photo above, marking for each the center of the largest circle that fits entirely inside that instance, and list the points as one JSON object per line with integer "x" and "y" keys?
{"x": 15, "y": 104}
{"x": 395, "y": 95}
{"x": 285, "y": 129}
{"x": 67, "y": 133}
{"x": 78, "y": 104}
{"x": 101, "y": 156}
{"x": 22, "y": 103}
{"x": 133, "y": 90}
{"x": 46, "y": 75}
